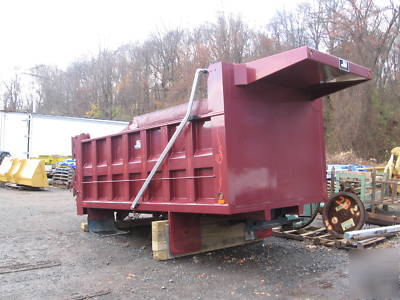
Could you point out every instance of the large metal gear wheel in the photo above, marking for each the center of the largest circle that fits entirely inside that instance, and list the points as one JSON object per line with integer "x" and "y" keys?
{"x": 343, "y": 212}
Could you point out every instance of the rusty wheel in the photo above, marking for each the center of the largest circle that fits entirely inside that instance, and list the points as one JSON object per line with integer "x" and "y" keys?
{"x": 343, "y": 212}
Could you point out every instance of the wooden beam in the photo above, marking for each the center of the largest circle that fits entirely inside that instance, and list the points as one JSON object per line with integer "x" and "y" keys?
{"x": 84, "y": 227}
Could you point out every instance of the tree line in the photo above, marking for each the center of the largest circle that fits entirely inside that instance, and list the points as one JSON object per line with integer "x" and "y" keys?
{"x": 140, "y": 77}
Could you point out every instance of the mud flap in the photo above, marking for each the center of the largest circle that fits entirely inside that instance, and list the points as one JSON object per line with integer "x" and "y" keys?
{"x": 102, "y": 223}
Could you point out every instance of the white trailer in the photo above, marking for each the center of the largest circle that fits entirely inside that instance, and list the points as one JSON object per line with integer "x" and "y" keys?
{"x": 30, "y": 135}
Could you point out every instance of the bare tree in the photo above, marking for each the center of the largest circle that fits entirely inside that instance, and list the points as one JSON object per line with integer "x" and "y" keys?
{"x": 12, "y": 99}
{"x": 156, "y": 73}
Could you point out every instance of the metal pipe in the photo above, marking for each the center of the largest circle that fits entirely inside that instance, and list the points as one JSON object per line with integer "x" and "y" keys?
{"x": 28, "y": 144}
{"x": 371, "y": 231}
{"x": 373, "y": 183}
{"x": 172, "y": 140}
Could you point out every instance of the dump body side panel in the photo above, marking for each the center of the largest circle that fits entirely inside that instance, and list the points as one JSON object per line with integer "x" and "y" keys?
{"x": 114, "y": 168}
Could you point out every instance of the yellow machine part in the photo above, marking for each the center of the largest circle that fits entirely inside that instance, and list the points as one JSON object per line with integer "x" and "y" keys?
{"x": 5, "y": 168}
{"x": 53, "y": 159}
{"x": 32, "y": 173}
{"x": 14, "y": 170}
{"x": 392, "y": 169}
{"x": 396, "y": 151}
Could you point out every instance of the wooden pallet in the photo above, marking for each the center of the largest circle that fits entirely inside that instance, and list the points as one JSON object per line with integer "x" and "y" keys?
{"x": 320, "y": 236}
{"x": 62, "y": 177}
{"x": 387, "y": 201}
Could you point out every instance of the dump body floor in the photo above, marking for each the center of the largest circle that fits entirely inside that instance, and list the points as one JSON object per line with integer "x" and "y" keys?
{"x": 44, "y": 255}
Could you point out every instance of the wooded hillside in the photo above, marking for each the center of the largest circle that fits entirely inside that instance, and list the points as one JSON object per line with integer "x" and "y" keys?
{"x": 158, "y": 72}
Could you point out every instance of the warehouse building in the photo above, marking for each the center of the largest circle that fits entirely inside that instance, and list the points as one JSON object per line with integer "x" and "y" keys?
{"x": 30, "y": 135}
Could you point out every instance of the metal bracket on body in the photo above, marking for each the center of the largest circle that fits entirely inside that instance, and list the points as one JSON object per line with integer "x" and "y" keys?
{"x": 172, "y": 140}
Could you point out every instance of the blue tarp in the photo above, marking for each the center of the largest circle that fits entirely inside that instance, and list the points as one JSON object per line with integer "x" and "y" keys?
{"x": 67, "y": 163}
{"x": 351, "y": 167}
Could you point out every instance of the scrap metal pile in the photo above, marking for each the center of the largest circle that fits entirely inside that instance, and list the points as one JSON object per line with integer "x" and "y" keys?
{"x": 368, "y": 195}
{"x": 359, "y": 195}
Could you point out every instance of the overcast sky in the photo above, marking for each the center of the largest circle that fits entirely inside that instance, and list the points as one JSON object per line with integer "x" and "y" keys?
{"x": 60, "y": 31}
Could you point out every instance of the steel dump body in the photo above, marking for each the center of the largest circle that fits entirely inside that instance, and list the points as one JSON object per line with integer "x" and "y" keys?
{"x": 254, "y": 145}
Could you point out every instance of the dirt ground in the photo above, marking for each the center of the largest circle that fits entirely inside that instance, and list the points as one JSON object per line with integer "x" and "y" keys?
{"x": 42, "y": 228}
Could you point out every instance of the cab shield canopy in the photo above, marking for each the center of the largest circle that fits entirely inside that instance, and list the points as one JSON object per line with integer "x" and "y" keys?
{"x": 303, "y": 68}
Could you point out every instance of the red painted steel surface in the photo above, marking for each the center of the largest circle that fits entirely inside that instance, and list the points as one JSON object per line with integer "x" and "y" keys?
{"x": 256, "y": 143}
{"x": 185, "y": 232}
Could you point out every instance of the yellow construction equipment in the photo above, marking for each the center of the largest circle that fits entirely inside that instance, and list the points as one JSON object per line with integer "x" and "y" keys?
{"x": 392, "y": 168}
{"x": 32, "y": 173}
{"x": 53, "y": 159}
{"x": 14, "y": 170}
{"x": 28, "y": 172}
{"x": 5, "y": 168}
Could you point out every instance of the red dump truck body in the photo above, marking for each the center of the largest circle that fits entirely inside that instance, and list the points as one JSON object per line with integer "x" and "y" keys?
{"x": 255, "y": 146}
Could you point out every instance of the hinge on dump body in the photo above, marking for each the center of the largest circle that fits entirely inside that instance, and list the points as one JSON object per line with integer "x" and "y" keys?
{"x": 253, "y": 225}
{"x": 193, "y": 118}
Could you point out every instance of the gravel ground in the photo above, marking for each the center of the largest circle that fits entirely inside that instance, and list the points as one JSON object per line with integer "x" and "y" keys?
{"x": 42, "y": 226}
